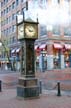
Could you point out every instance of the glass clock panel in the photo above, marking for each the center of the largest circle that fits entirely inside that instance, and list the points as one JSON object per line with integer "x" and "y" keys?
{"x": 20, "y": 31}
{"x": 31, "y": 30}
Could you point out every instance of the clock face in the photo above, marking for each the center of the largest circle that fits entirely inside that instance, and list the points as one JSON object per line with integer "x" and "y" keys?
{"x": 20, "y": 31}
{"x": 30, "y": 30}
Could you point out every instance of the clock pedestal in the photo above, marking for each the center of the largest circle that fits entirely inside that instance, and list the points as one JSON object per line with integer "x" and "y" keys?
{"x": 28, "y": 85}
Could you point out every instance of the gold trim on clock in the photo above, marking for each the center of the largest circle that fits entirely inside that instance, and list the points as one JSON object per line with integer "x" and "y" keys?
{"x": 31, "y": 30}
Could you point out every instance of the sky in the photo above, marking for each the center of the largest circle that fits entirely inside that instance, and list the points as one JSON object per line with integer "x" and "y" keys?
{"x": 49, "y": 14}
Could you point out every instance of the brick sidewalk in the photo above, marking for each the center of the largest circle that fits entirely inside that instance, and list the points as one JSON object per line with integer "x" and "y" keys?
{"x": 8, "y": 99}
{"x": 50, "y": 79}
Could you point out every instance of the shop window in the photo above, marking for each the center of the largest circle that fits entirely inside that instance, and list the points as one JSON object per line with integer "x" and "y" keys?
{"x": 66, "y": 59}
{"x": 56, "y": 58}
{"x": 37, "y": 62}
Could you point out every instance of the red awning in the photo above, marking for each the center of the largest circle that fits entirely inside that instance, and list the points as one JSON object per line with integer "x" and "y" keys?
{"x": 68, "y": 46}
{"x": 13, "y": 51}
{"x": 17, "y": 50}
{"x": 43, "y": 46}
{"x": 36, "y": 47}
{"x": 57, "y": 46}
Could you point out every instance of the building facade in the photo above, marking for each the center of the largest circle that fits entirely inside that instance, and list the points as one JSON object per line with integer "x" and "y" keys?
{"x": 53, "y": 47}
{"x": 9, "y": 10}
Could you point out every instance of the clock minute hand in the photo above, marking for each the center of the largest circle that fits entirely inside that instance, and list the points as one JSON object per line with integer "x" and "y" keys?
{"x": 30, "y": 30}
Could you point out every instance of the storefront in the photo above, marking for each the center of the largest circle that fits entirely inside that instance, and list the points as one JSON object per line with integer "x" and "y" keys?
{"x": 15, "y": 59}
{"x": 41, "y": 57}
{"x": 62, "y": 55}
{"x": 57, "y": 49}
{"x": 37, "y": 54}
{"x": 53, "y": 56}
{"x": 67, "y": 55}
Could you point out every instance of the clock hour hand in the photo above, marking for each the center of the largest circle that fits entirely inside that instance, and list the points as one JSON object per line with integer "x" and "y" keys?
{"x": 30, "y": 30}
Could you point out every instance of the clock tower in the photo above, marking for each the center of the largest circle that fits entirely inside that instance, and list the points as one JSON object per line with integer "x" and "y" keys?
{"x": 27, "y": 33}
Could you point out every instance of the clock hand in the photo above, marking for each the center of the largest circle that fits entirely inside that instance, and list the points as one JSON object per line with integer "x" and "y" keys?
{"x": 30, "y": 30}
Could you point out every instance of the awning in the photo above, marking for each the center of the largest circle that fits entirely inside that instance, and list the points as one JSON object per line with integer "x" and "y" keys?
{"x": 57, "y": 46}
{"x": 36, "y": 47}
{"x": 43, "y": 46}
{"x": 68, "y": 46}
{"x": 13, "y": 50}
{"x": 17, "y": 50}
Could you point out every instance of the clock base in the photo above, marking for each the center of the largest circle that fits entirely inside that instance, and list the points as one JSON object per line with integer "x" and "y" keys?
{"x": 28, "y": 88}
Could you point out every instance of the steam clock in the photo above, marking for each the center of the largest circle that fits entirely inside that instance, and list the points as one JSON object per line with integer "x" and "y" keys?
{"x": 27, "y": 33}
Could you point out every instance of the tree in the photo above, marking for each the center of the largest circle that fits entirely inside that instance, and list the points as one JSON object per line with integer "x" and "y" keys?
{"x": 7, "y": 53}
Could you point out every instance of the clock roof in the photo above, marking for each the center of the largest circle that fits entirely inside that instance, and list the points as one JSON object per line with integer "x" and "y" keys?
{"x": 30, "y": 20}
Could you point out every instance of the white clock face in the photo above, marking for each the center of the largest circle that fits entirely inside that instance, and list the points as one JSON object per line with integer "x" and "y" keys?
{"x": 20, "y": 32}
{"x": 30, "y": 31}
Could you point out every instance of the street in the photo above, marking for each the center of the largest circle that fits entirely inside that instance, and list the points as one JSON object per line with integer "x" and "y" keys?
{"x": 48, "y": 79}
{"x": 9, "y": 79}
{"x": 47, "y": 99}
{"x": 51, "y": 78}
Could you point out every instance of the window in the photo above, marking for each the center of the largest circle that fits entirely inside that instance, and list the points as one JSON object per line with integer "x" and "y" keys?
{"x": 17, "y": 2}
{"x": 5, "y": 21}
{"x": 13, "y": 16}
{"x": 10, "y": 30}
{"x": 13, "y": 5}
{"x": 22, "y": 0}
{"x": 1, "y": 23}
{"x": 43, "y": 30}
{"x": 2, "y": 13}
{"x": 4, "y": 32}
{"x": 67, "y": 31}
{"x": 6, "y": 1}
{"x": 9, "y": 7}
{"x": 12, "y": 39}
{"x": 1, "y": 4}
{"x": 7, "y": 30}
{"x": 7, "y": 10}
{"x": 9, "y": 19}
{"x": 13, "y": 28}
{"x": 56, "y": 30}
